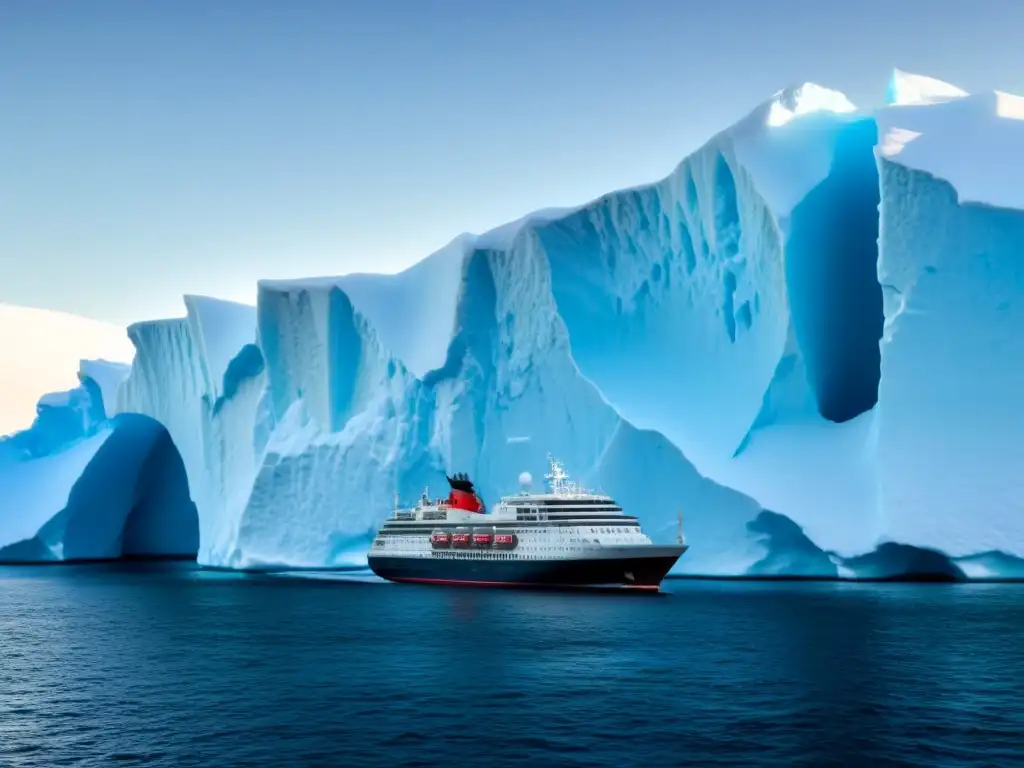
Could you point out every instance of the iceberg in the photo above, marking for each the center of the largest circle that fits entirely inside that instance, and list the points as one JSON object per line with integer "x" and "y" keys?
{"x": 804, "y": 338}
{"x": 79, "y": 485}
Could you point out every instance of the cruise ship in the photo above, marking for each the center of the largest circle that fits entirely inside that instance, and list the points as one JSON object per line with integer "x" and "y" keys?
{"x": 567, "y": 537}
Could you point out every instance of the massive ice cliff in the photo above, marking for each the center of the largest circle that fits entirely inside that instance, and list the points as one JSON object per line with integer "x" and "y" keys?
{"x": 805, "y": 338}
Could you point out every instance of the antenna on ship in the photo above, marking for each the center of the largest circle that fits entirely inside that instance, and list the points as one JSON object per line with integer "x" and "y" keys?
{"x": 557, "y": 476}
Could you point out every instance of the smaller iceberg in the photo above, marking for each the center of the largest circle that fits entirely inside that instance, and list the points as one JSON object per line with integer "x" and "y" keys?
{"x": 80, "y": 486}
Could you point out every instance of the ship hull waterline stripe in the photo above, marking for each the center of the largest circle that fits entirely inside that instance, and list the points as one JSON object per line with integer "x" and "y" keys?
{"x": 646, "y": 587}
{"x": 627, "y": 571}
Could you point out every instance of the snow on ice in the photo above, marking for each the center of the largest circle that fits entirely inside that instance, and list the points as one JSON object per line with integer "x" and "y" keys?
{"x": 805, "y": 337}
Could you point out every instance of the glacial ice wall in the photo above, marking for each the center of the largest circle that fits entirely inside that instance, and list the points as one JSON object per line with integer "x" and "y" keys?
{"x": 350, "y": 425}
{"x": 951, "y": 236}
{"x": 200, "y": 376}
{"x": 951, "y": 413}
{"x": 729, "y": 316}
{"x": 804, "y": 338}
{"x": 700, "y": 268}
{"x": 735, "y": 305}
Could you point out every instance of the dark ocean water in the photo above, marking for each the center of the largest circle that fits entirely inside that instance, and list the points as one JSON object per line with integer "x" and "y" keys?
{"x": 167, "y": 665}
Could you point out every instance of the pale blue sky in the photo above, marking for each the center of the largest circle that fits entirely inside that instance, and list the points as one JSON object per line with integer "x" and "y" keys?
{"x": 153, "y": 149}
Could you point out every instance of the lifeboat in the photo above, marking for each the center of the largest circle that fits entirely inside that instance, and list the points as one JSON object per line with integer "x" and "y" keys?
{"x": 461, "y": 540}
{"x": 505, "y": 540}
{"x": 481, "y": 539}
{"x": 440, "y": 540}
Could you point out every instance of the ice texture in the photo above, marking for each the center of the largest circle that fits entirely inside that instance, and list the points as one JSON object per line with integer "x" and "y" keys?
{"x": 200, "y": 376}
{"x": 950, "y": 414}
{"x": 804, "y": 338}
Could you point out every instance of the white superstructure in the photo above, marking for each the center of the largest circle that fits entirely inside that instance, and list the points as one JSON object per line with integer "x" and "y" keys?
{"x": 567, "y": 522}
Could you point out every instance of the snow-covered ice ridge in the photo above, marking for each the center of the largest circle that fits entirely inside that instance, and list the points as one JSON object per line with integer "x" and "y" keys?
{"x": 806, "y": 337}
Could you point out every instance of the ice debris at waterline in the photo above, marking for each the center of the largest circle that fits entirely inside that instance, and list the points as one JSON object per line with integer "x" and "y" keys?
{"x": 807, "y": 338}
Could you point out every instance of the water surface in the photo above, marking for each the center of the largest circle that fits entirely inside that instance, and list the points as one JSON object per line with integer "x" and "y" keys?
{"x": 169, "y": 665}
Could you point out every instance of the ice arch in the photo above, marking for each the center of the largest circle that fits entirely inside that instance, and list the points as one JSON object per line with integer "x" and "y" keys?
{"x": 131, "y": 499}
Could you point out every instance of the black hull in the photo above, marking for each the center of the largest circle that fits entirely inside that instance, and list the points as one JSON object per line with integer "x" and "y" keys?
{"x": 638, "y": 570}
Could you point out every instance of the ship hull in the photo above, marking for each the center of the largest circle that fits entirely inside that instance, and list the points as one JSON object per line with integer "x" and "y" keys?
{"x": 638, "y": 567}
